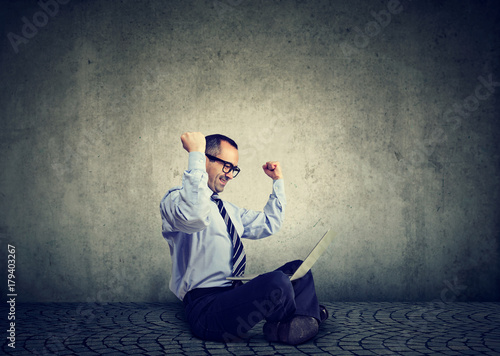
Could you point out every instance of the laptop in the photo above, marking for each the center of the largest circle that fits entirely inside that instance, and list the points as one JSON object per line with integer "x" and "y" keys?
{"x": 306, "y": 265}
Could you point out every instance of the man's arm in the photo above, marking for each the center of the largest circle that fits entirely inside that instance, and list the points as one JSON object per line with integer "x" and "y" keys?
{"x": 268, "y": 222}
{"x": 187, "y": 208}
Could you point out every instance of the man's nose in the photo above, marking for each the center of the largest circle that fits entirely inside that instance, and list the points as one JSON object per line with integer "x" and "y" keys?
{"x": 229, "y": 175}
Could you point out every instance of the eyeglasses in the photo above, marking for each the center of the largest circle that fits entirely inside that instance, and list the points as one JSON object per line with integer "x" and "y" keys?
{"x": 227, "y": 167}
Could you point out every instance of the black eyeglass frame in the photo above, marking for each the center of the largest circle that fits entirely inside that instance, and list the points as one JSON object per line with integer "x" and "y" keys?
{"x": 227, "y": 167}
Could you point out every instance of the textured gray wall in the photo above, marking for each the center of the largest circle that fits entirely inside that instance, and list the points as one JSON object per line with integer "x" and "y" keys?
{"x": 387, "y": 133}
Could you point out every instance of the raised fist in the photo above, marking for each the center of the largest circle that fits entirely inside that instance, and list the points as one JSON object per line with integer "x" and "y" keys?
{"x": 193, "y": 141}
{"x": 273, "y": 169}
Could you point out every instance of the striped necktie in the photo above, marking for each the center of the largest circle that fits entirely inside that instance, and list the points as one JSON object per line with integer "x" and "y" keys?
{"x": 239, "y": 256}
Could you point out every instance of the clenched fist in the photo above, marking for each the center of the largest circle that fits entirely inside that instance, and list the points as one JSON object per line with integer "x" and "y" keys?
{"x": 193, "y": 141}
{"x": 273, "y": 169}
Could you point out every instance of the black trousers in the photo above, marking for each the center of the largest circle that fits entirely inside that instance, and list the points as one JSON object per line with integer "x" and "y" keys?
{"x": 228, "y": 313}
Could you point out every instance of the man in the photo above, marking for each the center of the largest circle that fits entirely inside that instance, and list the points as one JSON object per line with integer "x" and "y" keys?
{"x": 204, "y": 235}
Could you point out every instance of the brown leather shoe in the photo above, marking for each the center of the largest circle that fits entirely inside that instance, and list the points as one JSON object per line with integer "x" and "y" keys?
{"x": 295, "y": 331}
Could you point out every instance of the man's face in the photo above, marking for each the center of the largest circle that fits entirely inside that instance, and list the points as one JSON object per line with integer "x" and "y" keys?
{"x": 217, "y": 179}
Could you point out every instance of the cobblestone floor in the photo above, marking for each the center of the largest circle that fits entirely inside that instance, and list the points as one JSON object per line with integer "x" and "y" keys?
{"x": 352, "y": 329}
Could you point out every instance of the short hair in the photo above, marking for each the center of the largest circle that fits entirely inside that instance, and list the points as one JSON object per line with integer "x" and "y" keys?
{"x": 213, "y": 143}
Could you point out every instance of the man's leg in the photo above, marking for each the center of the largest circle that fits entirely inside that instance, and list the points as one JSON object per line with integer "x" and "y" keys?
{"x": 304, "y": 323}
{"x": 305, "y": 293}
{"x": 229, "y": 315}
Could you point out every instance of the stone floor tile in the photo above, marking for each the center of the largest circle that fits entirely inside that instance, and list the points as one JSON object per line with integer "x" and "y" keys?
{"x": 353, "y": 329}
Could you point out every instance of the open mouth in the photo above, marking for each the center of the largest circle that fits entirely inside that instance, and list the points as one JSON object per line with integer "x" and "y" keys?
{"x": 223, "y": 180}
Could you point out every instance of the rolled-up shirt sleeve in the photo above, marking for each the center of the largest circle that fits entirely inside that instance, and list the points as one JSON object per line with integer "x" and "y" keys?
{"x": 186, "y": 208}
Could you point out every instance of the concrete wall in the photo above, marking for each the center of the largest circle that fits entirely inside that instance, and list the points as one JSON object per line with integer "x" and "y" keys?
{"x": 387, "y": 132}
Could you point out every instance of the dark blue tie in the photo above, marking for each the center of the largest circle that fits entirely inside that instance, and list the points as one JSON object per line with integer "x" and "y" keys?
{"x": 239, "y": 256}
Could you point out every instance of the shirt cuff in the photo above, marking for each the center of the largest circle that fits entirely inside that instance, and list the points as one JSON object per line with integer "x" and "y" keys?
{"x": 279, "y": 189}
{"x": 197, "y": 160}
